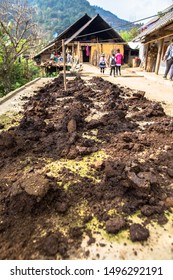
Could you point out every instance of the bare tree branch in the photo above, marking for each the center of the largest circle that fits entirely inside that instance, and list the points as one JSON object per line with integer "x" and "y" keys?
{"x": 17, "y": 33}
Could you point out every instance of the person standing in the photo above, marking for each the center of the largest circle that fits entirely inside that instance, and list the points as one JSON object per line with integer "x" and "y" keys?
{"x": 69, "y": 57}
{"x": 102, "y": 63}
{"x": 119, "y": 61}
{"x": 169, "y": 59}
{"x": 171, "y": 73}
{"x": 112, "y": 65}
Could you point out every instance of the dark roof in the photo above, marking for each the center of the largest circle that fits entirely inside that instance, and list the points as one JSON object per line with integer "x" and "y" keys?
{"x": 96, "y": 27}
{"x": 86, "y": 29}
{"x": 67, "y": 32}
{"x": 156, "y": 23}
{"x": 73, "y": 28}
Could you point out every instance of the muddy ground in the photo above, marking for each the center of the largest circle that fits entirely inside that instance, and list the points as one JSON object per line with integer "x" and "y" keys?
{"x": 96, "y": 154}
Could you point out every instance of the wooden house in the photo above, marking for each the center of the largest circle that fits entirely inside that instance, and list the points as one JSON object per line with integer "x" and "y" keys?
{"x": 156, "y": 35}
{"x": 86, "y": 40}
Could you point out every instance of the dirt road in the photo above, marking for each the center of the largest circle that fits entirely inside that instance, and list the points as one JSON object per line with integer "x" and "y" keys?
{"x": 155, "y": 87}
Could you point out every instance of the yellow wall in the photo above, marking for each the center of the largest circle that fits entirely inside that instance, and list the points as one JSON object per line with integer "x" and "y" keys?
{"x": 107, "y": 49}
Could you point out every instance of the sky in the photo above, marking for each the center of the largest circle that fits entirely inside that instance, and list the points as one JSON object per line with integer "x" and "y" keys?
{"x": 132, "y": 9}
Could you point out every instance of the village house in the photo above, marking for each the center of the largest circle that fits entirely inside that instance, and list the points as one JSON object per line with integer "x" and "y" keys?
{"x": 155, "y": 37}
{"x": 85, "y": 40}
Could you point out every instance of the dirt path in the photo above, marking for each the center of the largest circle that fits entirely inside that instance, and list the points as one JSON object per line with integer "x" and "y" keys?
{"x": 156, "y": 89}
{"x": 16, "y": 102}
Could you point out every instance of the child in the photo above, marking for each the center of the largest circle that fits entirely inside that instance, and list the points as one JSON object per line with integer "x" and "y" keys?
{"x": 102, "y": 63}
{"x": 112, "y": 64}
{"x": 119, "y": 61}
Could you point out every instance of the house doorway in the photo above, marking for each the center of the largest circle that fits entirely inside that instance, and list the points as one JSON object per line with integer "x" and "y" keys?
{"x": 86, "y": 53}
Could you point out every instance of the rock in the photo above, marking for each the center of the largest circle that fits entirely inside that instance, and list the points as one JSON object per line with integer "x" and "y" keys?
{"x": 148, "y": 210}
{"x": 71, "y": 126}
{"x": 76, "y": 232}
{"x": 115, "y": 225}
{"x": 53, "y": 244}
{"x": 162, "y": 219}
{"x": 35, "y": 184}
{"x": 73, "y": 153}
{"x": 142, "y": 179}
{"x": 98, "y": 165}
{"x": 138, "y": 233}
{"x": 169, "y": 201}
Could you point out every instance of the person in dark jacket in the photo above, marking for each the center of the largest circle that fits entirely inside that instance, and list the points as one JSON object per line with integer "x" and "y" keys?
{"x": 169, "y": 59}
{"x": 171, "y": 73}
{"x": 112, "y": 65}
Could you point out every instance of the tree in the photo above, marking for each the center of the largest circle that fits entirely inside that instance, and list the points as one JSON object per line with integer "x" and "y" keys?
{"x": 129, "y": 35}
{"x": 17, "y": 36}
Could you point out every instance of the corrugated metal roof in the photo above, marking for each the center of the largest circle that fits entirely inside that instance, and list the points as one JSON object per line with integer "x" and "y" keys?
{"x": 157, "y": 23}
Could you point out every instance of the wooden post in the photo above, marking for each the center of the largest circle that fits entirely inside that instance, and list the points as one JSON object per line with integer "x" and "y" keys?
{"x": 64, "y": 64}
{"x": 78, "y": 51}
{"x": 159, "y": 56}
{"x": 146, "y": 56}
{"x": 98, "y": 52}
{"x": 73, "y": 54}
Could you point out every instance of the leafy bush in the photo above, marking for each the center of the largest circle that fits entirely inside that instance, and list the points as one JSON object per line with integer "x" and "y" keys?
{"x": 22, "y": 72}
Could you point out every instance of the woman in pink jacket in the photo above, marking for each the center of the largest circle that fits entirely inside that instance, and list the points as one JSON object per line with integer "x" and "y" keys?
{"x": 119, "y": 61}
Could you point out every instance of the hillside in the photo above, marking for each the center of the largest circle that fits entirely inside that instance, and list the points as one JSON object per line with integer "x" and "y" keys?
{"x": 54, "y": 16}
{"x": 113, "y": 20}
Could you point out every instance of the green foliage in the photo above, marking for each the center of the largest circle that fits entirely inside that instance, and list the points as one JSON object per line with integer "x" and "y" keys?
{"x": 129, "y": 35}
{"x": 17, "y": 37}
{"x": 56, "y": 15}
{"x": 160, "y": 14}
{"x": 22, "y": 71}
{"x": 51, "y": 75}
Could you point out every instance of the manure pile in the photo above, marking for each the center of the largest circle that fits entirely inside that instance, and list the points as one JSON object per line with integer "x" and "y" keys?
{"x": 83, "y": 161}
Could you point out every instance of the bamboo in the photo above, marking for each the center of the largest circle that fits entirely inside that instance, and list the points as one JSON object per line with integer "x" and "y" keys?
{"x": 78, "y": 51}
{"x": 64, "y": 64}
{"x": 73, "y": 54}
{"x": 98, "y": 51}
